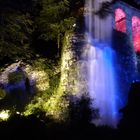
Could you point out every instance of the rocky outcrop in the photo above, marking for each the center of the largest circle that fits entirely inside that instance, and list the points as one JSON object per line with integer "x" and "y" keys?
{"x": 73, "y": 65}
{"x": 23, "y": 76}
{"x": 4, "y": 74}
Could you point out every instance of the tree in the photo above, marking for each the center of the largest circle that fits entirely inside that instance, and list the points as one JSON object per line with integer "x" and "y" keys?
{"x": 16, "y": 27}
{"x": 56, "y": 17}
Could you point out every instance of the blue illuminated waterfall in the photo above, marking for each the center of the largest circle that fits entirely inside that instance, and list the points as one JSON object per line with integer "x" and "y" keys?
{"x": 102, "y": 83}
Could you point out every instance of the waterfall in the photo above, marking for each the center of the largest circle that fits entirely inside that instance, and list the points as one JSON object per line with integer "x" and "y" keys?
{"x": 102, "y": 83}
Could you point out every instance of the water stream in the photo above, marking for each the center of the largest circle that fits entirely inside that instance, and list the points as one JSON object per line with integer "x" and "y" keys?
{"x": 102, "y": 83}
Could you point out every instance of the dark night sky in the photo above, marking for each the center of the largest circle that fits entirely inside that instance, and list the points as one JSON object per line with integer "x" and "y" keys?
{"x": 135, "y": 3}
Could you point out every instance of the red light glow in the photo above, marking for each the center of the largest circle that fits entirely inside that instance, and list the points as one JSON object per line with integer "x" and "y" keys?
{"x": 136, "y": 33}
{"x": 120, "y": 20}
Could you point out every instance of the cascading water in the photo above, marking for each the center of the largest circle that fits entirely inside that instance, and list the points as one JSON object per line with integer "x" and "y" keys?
{"x": 101, "y": 59}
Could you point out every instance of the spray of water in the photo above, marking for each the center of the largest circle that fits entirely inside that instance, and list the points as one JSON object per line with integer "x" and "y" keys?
{"x": 101, "y": 58}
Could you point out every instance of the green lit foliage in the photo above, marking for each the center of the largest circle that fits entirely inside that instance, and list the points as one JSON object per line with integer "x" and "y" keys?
{"x": 55, "y": 106}
{"x": 16, "y": 28}
{"x": 52, "y": 69}
{"x": 47, "y": 100}
{"x": 27, "y": 24}
{"x": 54, "y": 19}
{"x": 14, "y": 36}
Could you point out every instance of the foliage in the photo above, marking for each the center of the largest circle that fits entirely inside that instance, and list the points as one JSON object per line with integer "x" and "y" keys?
{"x": 42, "y": 99}
{"x": 80, "y": 111}
{"x": 27, "y": 24}
{"x": 15, "y": 36}
{"x": 52, "y": 69}
{"x": 53, "y": 20}
{"x": 15, "y": 77}
{"x": 56, "y": 17}
{"x": 54, "y": 106}
{"x": 2, "y": 93}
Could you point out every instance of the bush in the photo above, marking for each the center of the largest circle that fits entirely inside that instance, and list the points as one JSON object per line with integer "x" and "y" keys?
{"x": 2, "y": 93}
{"x": 15, "y": 77}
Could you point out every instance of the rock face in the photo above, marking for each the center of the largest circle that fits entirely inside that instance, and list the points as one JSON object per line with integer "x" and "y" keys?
{"x": 4, "y": 75}
{"x": 19, "y": 82}
{"x": 15, "y": 83}
{"x": 36, "y": 77}
{"x": 72, "y": 82}
{"x": 74, "y": 65}
{"x": 12, "y": 78}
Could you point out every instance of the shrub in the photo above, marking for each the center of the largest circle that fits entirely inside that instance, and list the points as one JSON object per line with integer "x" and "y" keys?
{"x": 2, "y": 93}
{"x": 15, "y": 77}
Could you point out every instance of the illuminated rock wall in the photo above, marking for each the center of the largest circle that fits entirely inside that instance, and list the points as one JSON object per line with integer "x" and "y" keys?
{"x": 72, "y": 63}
